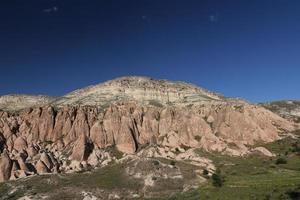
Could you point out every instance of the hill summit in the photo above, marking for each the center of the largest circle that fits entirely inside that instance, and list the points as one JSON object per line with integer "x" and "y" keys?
{"x": 143, "y": 90}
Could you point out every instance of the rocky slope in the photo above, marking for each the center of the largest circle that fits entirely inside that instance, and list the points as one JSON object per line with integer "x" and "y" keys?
{"x": 141, "y": 89}
{"x": 287, "y": 109}
{"x": 19, "y": 102}
{"x": 130, "y": 116}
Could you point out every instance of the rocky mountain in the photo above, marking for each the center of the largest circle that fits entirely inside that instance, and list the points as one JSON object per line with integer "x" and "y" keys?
{"x": 287, "y": 109}
{"x": 143, "y": 90}
{"x": 132, "y": 119}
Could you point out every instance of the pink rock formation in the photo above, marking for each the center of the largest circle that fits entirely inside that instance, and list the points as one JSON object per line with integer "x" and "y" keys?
{"x": 47, "y": 134}
{"x": 81, "y": 149}
{"x": 41, "y": 168}
{"x": 5, "y": 167}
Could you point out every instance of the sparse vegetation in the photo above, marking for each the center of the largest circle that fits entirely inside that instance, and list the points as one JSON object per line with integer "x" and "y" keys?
{"x": 284, "y": 108}
{"x": 254, "y": 177}
{"x": 115, "y": 152}
{"x": 251, "y": 177}
{"x": 110, "y": 177}
{"x": 177, "y": 150}
{"x": 48, "y": 142}
{"x": 155, "y": 103}
{"x": 295, "y": 148}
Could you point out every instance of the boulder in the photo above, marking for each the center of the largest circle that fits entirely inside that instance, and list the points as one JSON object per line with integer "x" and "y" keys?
{"x": 262, "y": 151}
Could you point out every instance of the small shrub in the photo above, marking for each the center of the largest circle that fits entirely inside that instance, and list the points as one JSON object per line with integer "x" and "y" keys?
{"x": 295, "y": 148}
{"x": 283, "y": 197}
{"x": 197, "y": 137}
{"x": 115, "y": 152}
{"x": 155, "y": 162}
{"x": 48, "y": 142}
{"x": 173, "y": 162}
{"x": 280, "y": 161}
{"x": 297, "y": 132}
{"x": 189, "y": 106}
{"x": 272, "y": 166}
{"x": 267, "y": 196}
{"x": 294, "y": 194}
{"x": 205, "y": 172}
{"x": 217, "y": 179}
{"x": 184, "y": 147}
{"x": 155, "y": 103}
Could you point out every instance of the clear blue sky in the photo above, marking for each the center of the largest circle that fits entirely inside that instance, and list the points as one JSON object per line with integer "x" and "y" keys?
{"x": 241, "y": 48}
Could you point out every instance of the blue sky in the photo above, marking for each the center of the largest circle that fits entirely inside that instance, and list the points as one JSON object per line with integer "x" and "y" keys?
{"x": 240, "y": 48}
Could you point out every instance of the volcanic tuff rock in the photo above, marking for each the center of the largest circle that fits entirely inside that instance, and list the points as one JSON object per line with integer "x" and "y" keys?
{"x": 73, "y": 132}
{"x": 5, "y": 166}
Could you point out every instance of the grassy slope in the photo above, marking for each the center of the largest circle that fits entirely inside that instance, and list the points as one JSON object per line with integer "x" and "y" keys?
{"x": 254, "y": 177}
{"x": 70, "y": 186}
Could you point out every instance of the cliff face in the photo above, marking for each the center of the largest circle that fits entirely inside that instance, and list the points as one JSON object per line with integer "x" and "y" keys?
{"x": 67, "y": 138}
{"x": 43, "y": 138}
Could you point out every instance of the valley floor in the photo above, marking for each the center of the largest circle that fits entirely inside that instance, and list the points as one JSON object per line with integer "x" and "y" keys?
{"x": 251, "y": 177}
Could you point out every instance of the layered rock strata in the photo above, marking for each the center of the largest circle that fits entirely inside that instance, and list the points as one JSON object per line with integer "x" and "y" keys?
{"x": 52, "y": 140}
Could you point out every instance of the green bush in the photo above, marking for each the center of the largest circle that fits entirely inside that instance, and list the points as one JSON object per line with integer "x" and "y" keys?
{"x": 280, "y": 161}
{"x": 267, "y": 196}
{"x": 172, "y": 162}
{"x": 295, "y": 148}
{"x": 217, "y": 179}
{"x": 294, "y": 194}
